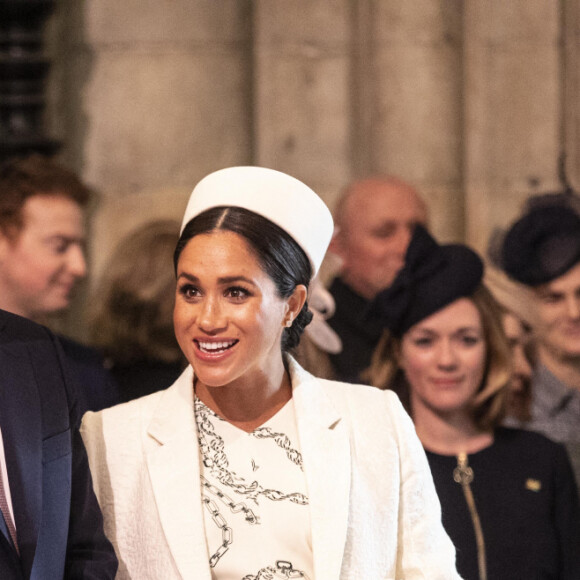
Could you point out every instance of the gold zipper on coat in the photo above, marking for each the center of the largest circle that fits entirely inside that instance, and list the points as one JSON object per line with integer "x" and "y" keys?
{"x": 463, "y": 474}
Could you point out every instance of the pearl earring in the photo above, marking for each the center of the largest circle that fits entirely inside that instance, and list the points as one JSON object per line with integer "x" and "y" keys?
{"x": 289, "y": 322}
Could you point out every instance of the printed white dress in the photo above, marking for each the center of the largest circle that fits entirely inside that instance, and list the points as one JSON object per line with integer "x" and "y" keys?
{"x": 372, "y": 505}
{"x": 257, "y": 518}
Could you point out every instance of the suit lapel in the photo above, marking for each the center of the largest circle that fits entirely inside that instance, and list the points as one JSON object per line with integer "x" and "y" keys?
{"x": 173, "y": 464}
{"x": 325, "y": 448}
{"x": 20, "y": 420}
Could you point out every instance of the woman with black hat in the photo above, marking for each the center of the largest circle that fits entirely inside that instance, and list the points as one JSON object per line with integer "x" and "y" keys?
{"x": 248, "y": 466}
{"x": 508, "y": 496}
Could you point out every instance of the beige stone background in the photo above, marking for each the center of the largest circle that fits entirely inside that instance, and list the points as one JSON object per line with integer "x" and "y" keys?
{"x": 471, "y": 101}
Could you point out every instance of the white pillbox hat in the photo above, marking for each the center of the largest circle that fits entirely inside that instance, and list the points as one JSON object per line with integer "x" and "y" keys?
{"x": 282, "y": 199}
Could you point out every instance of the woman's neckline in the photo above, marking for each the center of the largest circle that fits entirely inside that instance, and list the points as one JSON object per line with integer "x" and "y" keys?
{"x": 283, "y": 409}
{"x": 262, "y": 411}
{"x": 473, "y": 447}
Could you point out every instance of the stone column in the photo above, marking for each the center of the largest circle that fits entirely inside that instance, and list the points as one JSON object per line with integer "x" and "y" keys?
{"x": 570, "y": 69}
{"x": 512, "y": 108}
{"x": 410, "y": 79}
{"x": 302, "y": 90}
{"x": 161, "y": 96}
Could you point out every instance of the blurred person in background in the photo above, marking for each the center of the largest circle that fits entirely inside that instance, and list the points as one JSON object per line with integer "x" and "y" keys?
{"x": 541, "y": 251}
{"x": 508, "y": 496}
{"x": 132, "y": 311}
{"x": 42, "y": 236}
{"x": 42, "y": 258}
{"x": 516, "y": 304}
{"x": 519, "y": 397}
{"x": 374, "y": 220}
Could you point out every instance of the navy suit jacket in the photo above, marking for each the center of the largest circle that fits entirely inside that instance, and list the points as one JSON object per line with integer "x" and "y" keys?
{"x": 96, "y": 386}
{"x": 58, "y": 521}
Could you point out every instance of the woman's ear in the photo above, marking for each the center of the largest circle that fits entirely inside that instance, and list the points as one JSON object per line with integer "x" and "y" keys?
{"x": 296, "y": 301}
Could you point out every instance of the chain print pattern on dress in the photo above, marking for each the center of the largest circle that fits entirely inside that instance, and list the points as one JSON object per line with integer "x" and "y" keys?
{"x": 282, "y": 570}
{"x": 215, "y": 458}
{"x": 282, "y": 441}
{"x": 235, "y": 508}
{"x": 221, "y": 523}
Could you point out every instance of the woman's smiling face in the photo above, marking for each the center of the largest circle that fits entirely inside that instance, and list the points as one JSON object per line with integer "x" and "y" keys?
{"x": 443, "y": 357}
{"x": 228, "y": 315}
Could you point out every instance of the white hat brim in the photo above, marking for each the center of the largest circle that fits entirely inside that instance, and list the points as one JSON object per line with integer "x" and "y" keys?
{"x": 282, "y": 199}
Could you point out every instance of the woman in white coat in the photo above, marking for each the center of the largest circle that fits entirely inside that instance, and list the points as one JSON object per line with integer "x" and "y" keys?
{"x": 248, "y": 467}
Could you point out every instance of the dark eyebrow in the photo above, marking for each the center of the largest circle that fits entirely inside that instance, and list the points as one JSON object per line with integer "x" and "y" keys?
{"x": 422, "y": 330}
{"x": 67, "y": 239}
{"x": 457, "y": 331}
{"x": 470, "y": 329}
{"x": 188, "y": 277}
{"x": 234, "y": 279}
{"x": 224, "y": 280}
{"x": 545, "y": 293}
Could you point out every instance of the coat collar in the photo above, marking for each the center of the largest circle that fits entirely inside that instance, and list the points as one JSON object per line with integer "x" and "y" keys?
{"x": 20, "y": 416}
{"x": 325, "y": 447}
{"x": 173, "y": 463}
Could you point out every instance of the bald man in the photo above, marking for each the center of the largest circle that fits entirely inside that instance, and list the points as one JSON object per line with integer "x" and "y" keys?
{"x": 375, "y": 218}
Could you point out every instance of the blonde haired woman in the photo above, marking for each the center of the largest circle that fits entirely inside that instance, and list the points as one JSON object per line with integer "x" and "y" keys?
{"x": 508, "y": 496}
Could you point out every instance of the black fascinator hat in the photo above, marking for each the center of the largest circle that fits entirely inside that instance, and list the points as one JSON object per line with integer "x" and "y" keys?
{"x": 433, "y": 277}
{"x": 542, "y": 245}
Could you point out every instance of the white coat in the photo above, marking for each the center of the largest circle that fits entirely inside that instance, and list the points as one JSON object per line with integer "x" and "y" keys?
{"x": 373, "y": 506}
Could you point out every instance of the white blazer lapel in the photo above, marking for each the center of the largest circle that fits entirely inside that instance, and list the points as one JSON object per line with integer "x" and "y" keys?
{"x": 325, "y": 447}
{"x": 173, "y": 463}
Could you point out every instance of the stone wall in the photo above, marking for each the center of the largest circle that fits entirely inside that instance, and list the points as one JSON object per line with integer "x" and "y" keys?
{"x": 470, "y": 100}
